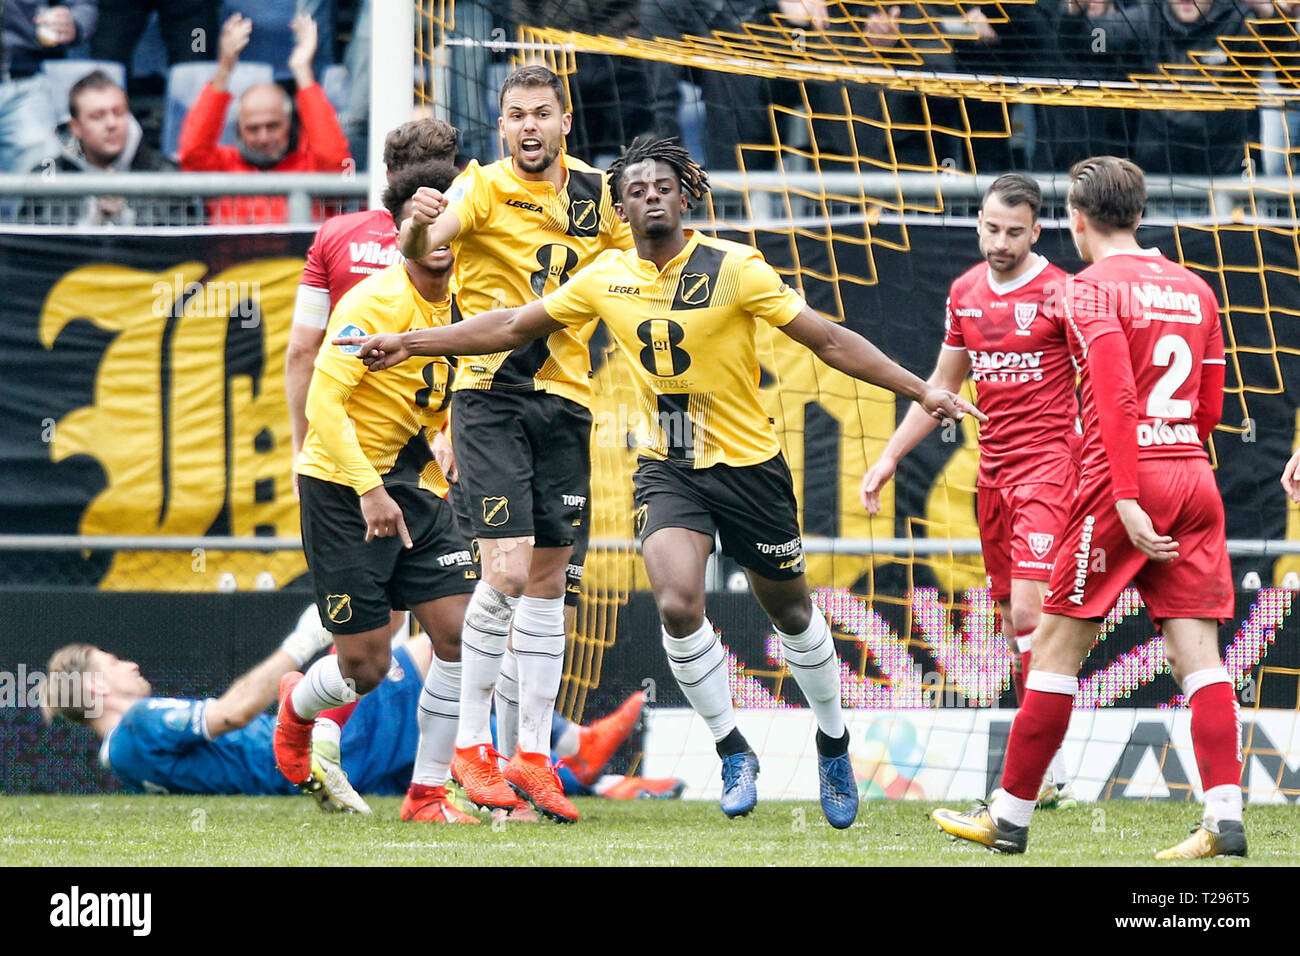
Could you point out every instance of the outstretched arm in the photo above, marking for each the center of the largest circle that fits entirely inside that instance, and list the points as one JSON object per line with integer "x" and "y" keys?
{"x": 253, "y": 692}
{"x": 501, "y": 330}
{"x": 950, "y": 371}
{"x": 850, "y": 353}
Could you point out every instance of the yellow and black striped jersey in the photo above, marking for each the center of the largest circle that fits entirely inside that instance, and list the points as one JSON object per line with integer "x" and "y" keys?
{"x": 519, "y": 240}
{"x": 689, "y": 333}
{"x": 382, "y": 431}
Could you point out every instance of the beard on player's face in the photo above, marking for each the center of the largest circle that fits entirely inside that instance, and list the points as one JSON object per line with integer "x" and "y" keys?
{"x": 1006, "y": 260}
{"x": 550, "y": 153}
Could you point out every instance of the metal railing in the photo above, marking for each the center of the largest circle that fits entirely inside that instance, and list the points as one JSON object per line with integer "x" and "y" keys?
{"x": 58, "y": 200}
{"x": 759, "y": 199}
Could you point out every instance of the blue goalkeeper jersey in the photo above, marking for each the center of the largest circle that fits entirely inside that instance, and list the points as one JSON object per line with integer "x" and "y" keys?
{"x": 160, "y": 745}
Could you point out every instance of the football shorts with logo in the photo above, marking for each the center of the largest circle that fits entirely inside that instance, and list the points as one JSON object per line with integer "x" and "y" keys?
{"x": 1096, "y": 560}
{"x": 459, "y": 499}
{"x": 359, "y": 582}
{"x": 1020, "y": 531}
{"x": 751, "y": 509}
{"x": 525, "y": 464}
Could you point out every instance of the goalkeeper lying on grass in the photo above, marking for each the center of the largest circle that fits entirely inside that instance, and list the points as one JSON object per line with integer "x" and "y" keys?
{"x": 223, "y": 745}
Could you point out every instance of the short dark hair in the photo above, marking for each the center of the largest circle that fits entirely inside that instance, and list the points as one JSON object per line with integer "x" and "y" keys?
{"x": 533, "y": 76}
{"x": 694, "y": 180}
{"x": 402, "y": 185}
{"x": 1111, "y": 190}
{"x": 1016, "y": 188}
{"x": 418, "y": 141}
{"x": 94, "y": 80}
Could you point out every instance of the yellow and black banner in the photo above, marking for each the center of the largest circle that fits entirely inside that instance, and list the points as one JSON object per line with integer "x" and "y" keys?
{"x": 142, "y": 393}
{"x": 142, "y": 387}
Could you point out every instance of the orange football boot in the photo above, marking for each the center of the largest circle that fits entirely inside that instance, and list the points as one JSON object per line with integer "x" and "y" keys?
{"x": 534, "y": 777}
{"x": 291, "y": 741}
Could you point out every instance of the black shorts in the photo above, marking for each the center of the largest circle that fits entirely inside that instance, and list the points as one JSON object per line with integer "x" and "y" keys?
{"x": 525, "y": 464}
{"x": 359, "y": 582}
{"x": 752, "y": 509}
{"x": 572, "y": 573}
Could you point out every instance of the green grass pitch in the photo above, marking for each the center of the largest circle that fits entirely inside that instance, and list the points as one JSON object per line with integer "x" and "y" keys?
{"x": 123, "y": 830}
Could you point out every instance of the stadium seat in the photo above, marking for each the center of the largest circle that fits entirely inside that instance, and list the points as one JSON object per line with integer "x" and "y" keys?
{"x": 334, "y": 81}
{"x": 64, "y": 74}
{"x": 185, "y": 80}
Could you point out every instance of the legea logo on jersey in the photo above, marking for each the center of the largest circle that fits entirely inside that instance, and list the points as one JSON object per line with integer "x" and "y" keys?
{"x": 1040, "y": 544}
{"x": 1026, "y": 312}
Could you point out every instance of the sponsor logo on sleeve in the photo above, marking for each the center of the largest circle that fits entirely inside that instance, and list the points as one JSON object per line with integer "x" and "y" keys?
{"x": 350, "y": 330}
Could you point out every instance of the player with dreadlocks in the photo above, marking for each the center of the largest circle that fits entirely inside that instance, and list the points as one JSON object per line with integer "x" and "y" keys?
{"x": 686, "y": 310}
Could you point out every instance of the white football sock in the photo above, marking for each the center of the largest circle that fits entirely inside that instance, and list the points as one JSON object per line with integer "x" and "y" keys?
{"x": 438, "y": 712}
{"x": 539, "y": 646}
{"x": 482, "y": 643}
{"x": 322, "y": 688}
{"x": 815, "y": 667}
{"x": 1222, "y": 803}
{"x": 506, "y": 697}
{"x": 1011, "y": 809}
{"x": 326, "y": 731}
{"x": 699, "y": 664}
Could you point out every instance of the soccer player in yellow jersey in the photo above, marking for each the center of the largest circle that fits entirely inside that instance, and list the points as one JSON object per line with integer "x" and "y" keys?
{"x": 376, "y": 532}
{"x": 685, "y": 309}
{"x": 521, "y": 427}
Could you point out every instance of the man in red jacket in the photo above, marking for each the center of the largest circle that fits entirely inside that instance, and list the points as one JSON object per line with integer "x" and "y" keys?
{"x": 268, "y": 141}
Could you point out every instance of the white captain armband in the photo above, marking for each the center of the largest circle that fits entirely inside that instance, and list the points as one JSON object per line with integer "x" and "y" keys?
{"x": 312, "y": 307}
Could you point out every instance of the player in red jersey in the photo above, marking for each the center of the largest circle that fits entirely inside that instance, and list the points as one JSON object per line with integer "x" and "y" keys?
{"x": 1005, "y": 327}
{"x": 1148, "y": 511}
{"x": 347, "y": 249}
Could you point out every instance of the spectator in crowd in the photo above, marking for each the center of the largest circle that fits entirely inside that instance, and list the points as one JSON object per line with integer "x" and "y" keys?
{"x": 34, "y": 32}
{"x": 737, "y": 106}
{"x": 1153, "y": 32}
{"x": 188, "y": 29}
{"x": 269, "y": 140}
{"x": 609, "y": 93}
{"x": 923, "y": 130}
{"x": 273, "y": 31}
{"x": 1279, "y": 129}
{"x": 1068, "y": 134}
{"x": 355, "y": 115}
{"x": 103, "y": 137}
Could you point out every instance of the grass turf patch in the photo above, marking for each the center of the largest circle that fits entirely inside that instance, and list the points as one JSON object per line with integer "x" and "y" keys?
{"x": 120, "y": 830}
